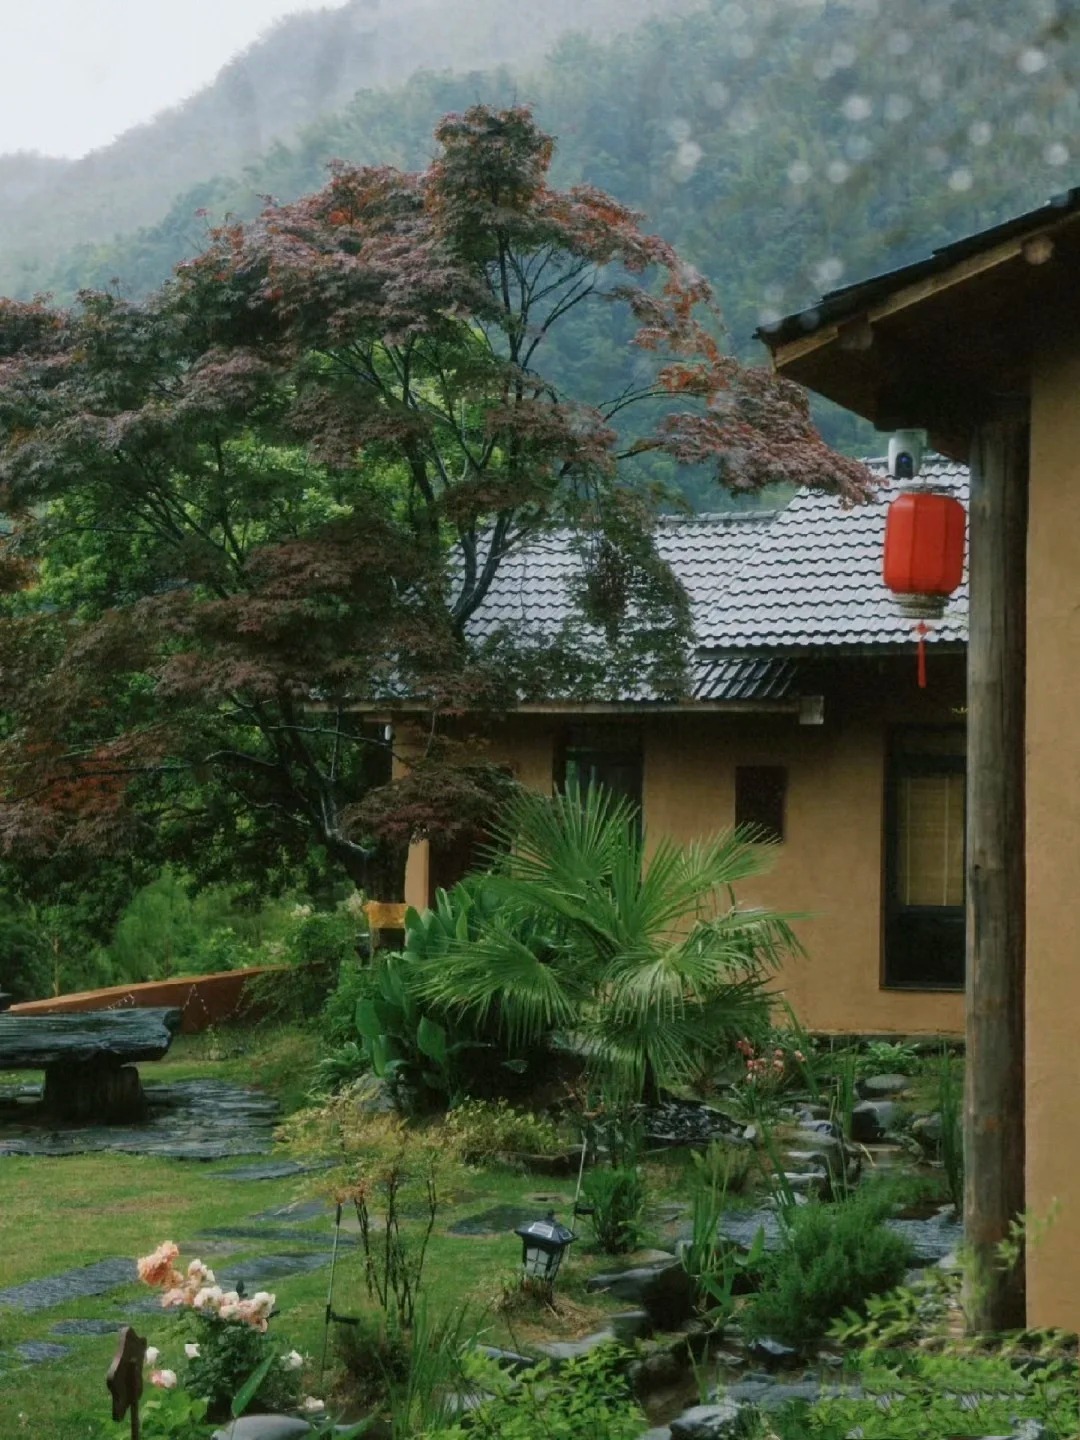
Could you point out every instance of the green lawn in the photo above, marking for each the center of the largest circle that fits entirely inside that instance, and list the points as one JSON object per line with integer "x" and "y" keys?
{"x": 65, "y": 1212}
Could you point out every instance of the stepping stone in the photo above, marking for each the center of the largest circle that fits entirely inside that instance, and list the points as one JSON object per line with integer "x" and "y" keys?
{"x": 40, "y": 1352}
{"x": 499, "y": 1220}
{"x": 96, "y": 1279}
{"x": 297, "y": 1212}
{"x": 266, "y": 1269}
{"x": 560, "y": 1351}
{"x": 273, "y": 1170}
{"x": 86, "y": 1327}
{"x": 266, "y": 1234}
{"x": 188, "y": 1120}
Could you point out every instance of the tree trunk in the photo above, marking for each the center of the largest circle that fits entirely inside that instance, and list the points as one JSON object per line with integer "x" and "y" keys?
{"x": 994, "y": 1298}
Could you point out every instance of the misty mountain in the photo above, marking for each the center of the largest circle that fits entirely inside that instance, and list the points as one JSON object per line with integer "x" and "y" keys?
{"x": 307, "y": 66}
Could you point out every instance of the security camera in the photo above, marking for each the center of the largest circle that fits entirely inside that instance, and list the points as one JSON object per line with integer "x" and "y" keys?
{"x": 906, "y": 451}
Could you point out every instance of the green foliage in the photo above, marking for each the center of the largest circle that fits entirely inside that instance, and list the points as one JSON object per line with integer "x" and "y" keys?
{"x": 637, "y": 952}
{"x": 231, "y": 1354}
{"x": 919, "y": 1394}
{"x": 26, "y": 972}
{"x": 845, "y": 1067}
{"x": 833, "y": 1257}
{"x": 901, "y": 1316}
{"x": 164, "y": 1415}
{"x": 375, "y": 1356}
{"x": 713, "y": 1263}
{"x": 403, "y": 1044}
{"x": 338, "y": 1018}
{"x": 585, "y": 1399}
{"x": 950, "y": 1100}
{"x": 888, "y": 1057}
{"x": 617, "y": 1198}
{"x": 478, "y": 1129}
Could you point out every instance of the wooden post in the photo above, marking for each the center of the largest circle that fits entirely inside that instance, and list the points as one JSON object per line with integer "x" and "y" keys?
{"x": 994, "y": 1098}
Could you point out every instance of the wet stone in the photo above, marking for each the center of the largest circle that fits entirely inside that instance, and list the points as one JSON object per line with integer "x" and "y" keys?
{"x": 930, "y": 1240}
{"x": 560, "y": 1351}
{"x": 265, "y": 1269}
{"x": 273, "y": 1170}
{"x": 40, "y": 1352}
{"x": 79, "y": 1284}
{"x": 186, "y": 1120}
{"x": 267, "y": 1234}
{"x": 86, "y": 1327}
{"x": 497, "y": 1221}
{"x": 296, "y": 1213}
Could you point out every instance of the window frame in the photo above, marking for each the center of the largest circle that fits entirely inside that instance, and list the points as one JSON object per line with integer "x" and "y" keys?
{"x": 767, "y": 834}
{"x": 900, "y": 923}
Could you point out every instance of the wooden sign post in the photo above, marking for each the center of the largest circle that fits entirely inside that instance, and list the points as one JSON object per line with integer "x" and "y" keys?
{"x": 125, "y": 1378}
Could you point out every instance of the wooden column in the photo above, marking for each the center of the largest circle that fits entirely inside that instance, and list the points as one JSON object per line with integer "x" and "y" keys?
{"x": 994, "y": 1097}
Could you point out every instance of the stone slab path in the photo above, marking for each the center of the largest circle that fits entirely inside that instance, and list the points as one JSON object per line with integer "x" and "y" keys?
{"x": 189, "y": 1120}
{"x": 80, "y": 1284}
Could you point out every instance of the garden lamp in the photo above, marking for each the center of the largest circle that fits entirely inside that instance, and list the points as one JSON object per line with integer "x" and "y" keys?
{"x": 543, "y": 1245}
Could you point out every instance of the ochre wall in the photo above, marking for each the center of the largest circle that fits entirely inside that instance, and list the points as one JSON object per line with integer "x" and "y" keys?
{"x": 1053, "y": 841}
{"x": 829, "y": 870}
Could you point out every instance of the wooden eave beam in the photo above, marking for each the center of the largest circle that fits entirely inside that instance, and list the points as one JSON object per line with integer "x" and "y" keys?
{"x": 856, "y": 331}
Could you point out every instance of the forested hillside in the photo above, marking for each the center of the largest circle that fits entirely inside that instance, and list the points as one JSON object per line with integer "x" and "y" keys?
{"x": 306, "y": 67}
{"x": 783, "y": 147}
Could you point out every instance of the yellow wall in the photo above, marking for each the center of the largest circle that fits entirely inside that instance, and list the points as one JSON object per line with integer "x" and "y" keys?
{"x": 829, "y": 870}
{"x": 1053, "y": 840}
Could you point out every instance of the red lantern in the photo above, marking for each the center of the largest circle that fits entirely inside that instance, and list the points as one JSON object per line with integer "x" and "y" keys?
{"x": 924, "y": 549}
{"x": 924, "y": 555}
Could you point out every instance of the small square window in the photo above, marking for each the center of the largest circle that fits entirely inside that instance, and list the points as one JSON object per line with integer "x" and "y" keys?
{"x": 760, "y": 800}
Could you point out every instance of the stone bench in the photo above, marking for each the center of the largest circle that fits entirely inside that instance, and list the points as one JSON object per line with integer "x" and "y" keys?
{"x": 89, "y": 1058}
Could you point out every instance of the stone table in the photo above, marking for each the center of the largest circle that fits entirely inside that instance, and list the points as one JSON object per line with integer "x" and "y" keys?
{"x": 89, "y": 1057}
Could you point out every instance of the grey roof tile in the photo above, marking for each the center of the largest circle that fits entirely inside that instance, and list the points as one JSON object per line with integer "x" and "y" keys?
{"x": 814, "y": 581}
{"x": 762, "y": 586}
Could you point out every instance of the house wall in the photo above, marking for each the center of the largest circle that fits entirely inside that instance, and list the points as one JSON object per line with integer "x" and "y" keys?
{"x": 1053, "y": 840}
{"x": 829, "y": 871}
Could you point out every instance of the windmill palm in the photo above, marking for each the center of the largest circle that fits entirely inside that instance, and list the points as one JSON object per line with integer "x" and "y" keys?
{"x": 642, "y": 955}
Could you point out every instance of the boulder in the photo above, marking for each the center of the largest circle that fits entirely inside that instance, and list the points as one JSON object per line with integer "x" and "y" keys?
{"x": 665, "y": 1291}
{"x": 507, "y": 1359}
{"x": 372, "y": 1096}
{"x": 773, "y": 1353}
{"x": 927, "y": 1130}
{"x": 631, "y": 1325}
{"x": 875, "y": 1119}
{"x": 722, "y": 1420}
{"x": 880, "y": 1087}
{"x": 560, "y": 1351}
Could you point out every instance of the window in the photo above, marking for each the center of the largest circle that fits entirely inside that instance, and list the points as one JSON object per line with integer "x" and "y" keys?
{"x": 760, "y": 800}
{"x": 925, "y": 814}
{"x": 603, "y": 755}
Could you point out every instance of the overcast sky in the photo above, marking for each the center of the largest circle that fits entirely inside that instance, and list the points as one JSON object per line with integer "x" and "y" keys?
{"x": 79, "y": 72}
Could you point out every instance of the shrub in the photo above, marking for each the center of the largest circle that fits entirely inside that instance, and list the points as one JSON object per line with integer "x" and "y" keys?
{"x": 375, "y": 1356}
{"x": 938, "y": 1395}
{"x": 833, "y": 1258}
{"x": 479, "y": 1128}
{"x": 888, "y": 1057}
{"x": 586, "y": 1399}
{"x": 617, "y": 1198}
{"x": 355, "y": 982}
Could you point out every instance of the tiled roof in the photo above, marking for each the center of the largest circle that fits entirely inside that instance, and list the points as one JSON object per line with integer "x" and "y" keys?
{"x": 814, "y": 579}
{"x": 532, "y": 592}
{"x": 764, "y": 587}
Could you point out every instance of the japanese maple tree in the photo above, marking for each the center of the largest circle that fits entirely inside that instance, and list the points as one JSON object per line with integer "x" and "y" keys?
{"x": 249, "y": 512}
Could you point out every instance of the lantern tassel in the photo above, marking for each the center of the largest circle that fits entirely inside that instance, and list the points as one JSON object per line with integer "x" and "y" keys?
{"x": 922, "y": 630}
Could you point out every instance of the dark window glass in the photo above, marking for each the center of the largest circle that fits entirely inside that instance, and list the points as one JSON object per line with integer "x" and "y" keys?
{"x": 760, "y": 800}
{"x": 603, "y": 756}
{"x": 924, "y": 892}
